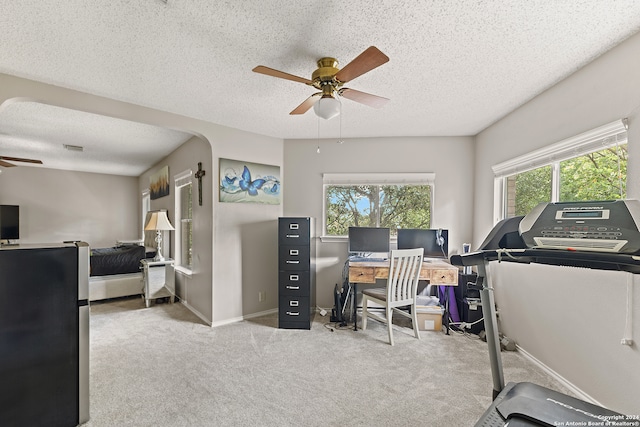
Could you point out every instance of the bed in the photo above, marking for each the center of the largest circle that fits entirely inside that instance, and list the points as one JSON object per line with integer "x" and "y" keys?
{"x": 115, "y": 272}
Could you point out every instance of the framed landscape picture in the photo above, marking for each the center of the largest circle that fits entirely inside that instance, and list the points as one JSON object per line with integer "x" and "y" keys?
{"x": 159, "y": 183}
{"x": 247, "y": 182}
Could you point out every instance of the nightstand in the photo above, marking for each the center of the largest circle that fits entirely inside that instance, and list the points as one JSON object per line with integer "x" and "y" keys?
{"x": 159, "y": 280}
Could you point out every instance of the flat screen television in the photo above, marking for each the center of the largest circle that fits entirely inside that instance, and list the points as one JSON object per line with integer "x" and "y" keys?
{"x": 368, "y": 240}
{"x": 435, "y": 242}
{"x": 9, "y": 222}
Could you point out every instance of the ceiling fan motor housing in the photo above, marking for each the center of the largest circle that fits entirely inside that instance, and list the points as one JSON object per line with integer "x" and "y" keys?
{"x": 324, "y": 77}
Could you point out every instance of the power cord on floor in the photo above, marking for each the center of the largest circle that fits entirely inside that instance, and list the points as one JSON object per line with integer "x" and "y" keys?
{"x": 338, "y": 326}
{"x": 462, "y": 328}
{"x": 334, "y": 326}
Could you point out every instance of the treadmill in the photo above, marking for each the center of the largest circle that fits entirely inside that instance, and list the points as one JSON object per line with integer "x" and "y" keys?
{"x": 599, "y": 235}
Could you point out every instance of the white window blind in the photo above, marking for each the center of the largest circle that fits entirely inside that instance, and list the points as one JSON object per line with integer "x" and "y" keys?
{"x": 183, "y": 178}
{"x": 606, "y": 136}
{"x": 378, "y": 178}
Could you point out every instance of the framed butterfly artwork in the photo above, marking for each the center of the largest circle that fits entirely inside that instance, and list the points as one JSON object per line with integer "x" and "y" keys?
{"x": 247, "y": 182}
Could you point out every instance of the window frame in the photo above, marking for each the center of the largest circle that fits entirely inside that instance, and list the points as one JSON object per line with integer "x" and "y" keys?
{"x": 351, "y": 179}
{"x": 181, "y": 180}
{"x": 146, "y": 207}
{"x": 607, "y": 136}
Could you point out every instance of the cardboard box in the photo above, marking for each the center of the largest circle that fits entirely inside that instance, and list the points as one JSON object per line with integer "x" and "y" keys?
{"x": 429, "y": 317}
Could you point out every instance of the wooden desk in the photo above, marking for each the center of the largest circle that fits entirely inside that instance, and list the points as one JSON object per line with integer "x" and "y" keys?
{"x": 435, "y": 271}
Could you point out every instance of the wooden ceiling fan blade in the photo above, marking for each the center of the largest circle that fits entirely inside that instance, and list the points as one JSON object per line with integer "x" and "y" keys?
{"x": 261, "y": 69}
{"x": 368, "y": 60}
{"x": 20, "y": 159}
{"x": 307, "y": 104}
{"x": 374, "y": 101}
{"x": 6, "y": 164}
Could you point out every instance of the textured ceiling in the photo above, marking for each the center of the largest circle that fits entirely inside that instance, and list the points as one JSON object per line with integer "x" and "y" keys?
{"x": 113, "y": 146}
{"x": 455, "y": 66}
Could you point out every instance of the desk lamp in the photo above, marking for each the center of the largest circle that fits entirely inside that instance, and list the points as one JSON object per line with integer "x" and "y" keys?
{"x": 159, "y": 222}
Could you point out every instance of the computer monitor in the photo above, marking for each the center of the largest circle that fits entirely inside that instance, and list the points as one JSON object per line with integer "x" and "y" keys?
{"x": 9, "y": 222}
{"x": 369, "y": 240}
{"x": 435, "y": 242}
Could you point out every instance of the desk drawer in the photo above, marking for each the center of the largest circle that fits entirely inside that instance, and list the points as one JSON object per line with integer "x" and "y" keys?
{"x": 294, "y": 309}
{"x": 361, "y": 275}
{"x": 294, "y": 231}
{"x": 294, "y": 257}
{"x": 438, "y": 277}
{"x": 294, "y": 283}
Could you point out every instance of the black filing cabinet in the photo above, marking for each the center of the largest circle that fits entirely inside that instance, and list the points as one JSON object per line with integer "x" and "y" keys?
{"x": 296, "y": 273}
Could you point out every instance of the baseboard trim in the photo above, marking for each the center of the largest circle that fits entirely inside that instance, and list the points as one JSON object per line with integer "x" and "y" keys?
{"x": 259, "y": 314}
{"x": 196, "y": 312}
{"x": 241, "y": 318}
{"x": 581, "y": 394}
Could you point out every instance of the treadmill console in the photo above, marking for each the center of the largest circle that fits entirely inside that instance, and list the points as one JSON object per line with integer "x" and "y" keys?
{"x": 601, "y": 226}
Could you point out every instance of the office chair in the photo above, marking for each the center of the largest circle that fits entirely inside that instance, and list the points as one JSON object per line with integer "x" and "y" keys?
{"x": 401, "y": 289}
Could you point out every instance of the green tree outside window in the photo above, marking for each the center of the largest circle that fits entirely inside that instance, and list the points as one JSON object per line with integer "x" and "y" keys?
{"x": 392, "y": 206}
{"x": 600, "y": 175}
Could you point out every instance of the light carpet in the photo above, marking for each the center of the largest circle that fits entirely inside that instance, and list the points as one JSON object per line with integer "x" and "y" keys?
{"x": 161, "y": 366}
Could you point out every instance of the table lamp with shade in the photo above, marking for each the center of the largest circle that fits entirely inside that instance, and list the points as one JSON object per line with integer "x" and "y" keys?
{"x": 159, "y": 222}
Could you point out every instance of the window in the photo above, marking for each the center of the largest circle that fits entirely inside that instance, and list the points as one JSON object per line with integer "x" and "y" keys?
{"x": 527, "y": 189}
{"x": 376, "y": 200}
{"x": 146, "y": 207}
{"x": 590, "y": 166}
{"x": 601, "y": 175}
{"x": 184, "y": 218}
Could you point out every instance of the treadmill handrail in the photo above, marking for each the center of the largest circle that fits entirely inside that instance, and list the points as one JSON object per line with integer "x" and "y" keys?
{"x": 570, "y": 258}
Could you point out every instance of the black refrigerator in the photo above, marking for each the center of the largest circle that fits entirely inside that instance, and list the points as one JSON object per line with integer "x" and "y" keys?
{"x": 44, "y": 335}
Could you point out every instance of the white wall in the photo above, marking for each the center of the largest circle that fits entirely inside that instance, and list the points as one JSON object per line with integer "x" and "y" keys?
{"x": 245, "y": 234}
{"x": 234, "y": 282}
{"x": 450, "y": 158}
{"x": 570, "y": 319}
{"x": 57, "y": 205}
{"x": 194, "y": 289}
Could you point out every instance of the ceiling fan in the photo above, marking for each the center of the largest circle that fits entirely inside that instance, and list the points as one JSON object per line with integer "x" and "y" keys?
{"x": 16, "y": 159}
{"x": 329, "y": 79}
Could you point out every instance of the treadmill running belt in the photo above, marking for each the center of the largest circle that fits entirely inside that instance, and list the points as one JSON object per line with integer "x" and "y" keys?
{"x": 527, "y": 404}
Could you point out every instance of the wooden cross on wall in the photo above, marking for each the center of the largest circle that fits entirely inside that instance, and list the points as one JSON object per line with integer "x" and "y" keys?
{"x": 199, "y": 175}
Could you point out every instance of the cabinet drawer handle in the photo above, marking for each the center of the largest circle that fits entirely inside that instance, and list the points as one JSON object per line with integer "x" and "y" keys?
{"x": 295, "y": 288}
{"x": 294, "y": 303}
{"x": 294, "y": 277}
{"x": 294, "y": 226}
{"x": 293, "y": 313}
{"x": 292, "y": 262}
{"x": 293, "y": 236}
{"x": 293, "y": 252}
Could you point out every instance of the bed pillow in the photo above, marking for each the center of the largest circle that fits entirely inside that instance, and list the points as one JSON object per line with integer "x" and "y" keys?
{"x": 150, "y": 252}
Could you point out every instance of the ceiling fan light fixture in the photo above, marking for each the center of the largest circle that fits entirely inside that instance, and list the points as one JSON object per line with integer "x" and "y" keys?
{"x": 327, "y": 107}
